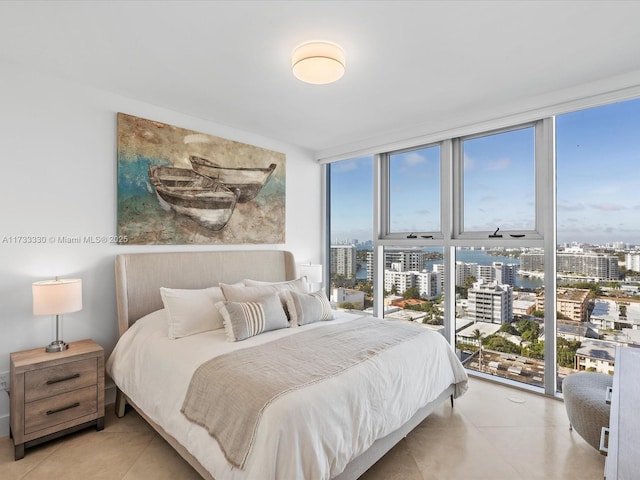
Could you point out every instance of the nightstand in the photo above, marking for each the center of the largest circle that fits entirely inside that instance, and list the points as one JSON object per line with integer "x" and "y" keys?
{"x": 53, "y": 394}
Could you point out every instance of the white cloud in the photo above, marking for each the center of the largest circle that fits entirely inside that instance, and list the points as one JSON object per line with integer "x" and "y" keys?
{"x": 413, "y": 158}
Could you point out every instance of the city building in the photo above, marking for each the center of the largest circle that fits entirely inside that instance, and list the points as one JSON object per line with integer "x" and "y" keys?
{"x": 595, "y": 266}
{"x": 596, "y": 356}
{"x": 343, "y": 260}
{"x": 467, "y": 335}
{"x": 571, "y": 303}
{"x": 348, "y": 295}
{"x": 490, "y": 302}
{"x": 408, "y": 259}
{"x": 464, "y": 271}
{"x": 524, "y": 304}
{"x": 575, "y": 263}
{"x": 427, "y": 283}
{"x": 398, "y": 281}
{"x": 632, "y": 261}
{"x": 532, "y": 262}
{"x": 503, "y": 273}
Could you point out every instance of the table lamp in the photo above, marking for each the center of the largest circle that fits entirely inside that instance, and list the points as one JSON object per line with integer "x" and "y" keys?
{"x": 56, "y": 297}
{"x": 313, "y": 272}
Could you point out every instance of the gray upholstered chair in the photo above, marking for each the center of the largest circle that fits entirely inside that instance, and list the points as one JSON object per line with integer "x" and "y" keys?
{"x": 585, "y": 402}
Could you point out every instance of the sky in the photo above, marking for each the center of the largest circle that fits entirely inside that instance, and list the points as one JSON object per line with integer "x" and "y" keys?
{"x": 598, "y": 159}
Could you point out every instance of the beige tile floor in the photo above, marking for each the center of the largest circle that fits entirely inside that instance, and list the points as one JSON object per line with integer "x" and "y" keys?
{"x": 493, "y": 433}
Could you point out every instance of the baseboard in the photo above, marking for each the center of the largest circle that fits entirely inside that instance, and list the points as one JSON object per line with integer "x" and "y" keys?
{"x": 110, "y": 393}
{"x": 4, "y": 425}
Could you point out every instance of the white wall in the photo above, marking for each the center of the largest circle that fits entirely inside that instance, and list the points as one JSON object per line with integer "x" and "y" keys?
{"x": 58, "y": 177}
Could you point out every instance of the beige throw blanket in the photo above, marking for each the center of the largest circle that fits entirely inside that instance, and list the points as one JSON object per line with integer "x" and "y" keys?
{"x": 242, "y": 384}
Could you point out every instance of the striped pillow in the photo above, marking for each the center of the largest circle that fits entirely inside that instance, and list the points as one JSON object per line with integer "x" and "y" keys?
{"x": 305, "y": 308}
{"x": 247, "y": 319}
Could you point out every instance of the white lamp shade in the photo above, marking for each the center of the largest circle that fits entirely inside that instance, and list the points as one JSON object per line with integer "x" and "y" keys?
{"x": 313, "y": 272}
{"x": 318, "y": 62}
{"x": 55, "y": 297}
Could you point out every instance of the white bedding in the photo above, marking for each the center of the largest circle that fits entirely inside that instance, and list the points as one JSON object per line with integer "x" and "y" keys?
{"x": 310, "y": 433}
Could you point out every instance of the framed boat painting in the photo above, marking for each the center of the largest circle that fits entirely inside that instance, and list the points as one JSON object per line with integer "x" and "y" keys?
{"x": 177, "y": 186}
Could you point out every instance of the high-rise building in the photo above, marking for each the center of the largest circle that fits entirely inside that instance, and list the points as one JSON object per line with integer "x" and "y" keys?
{"x": 398, "y": 279}
{"x": 464, "y": 271}
{"x": 490, "y": 302}
{"x": 532, "y": 262}
{"x": 410, "y": 259}
{"x": 504, "y": 273}
{"x": 632, "y": 261}
{"x": 343, "y": 260}
{"x": 370, "y": 266}
{"x": 426, "y": 282}
{"x": 597, "y": 266}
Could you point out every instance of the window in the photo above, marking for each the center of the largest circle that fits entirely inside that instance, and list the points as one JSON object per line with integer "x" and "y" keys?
{"x": 499, "y": 329}
{"x": 530, "y": 268}
{"x": 351, "y": 232}
{"x": 598, "y": 255}
{"x": 499, "y": 181}
{"x": 414, "y": 190}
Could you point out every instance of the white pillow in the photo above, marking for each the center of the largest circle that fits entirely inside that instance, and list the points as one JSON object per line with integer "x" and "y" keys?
{"x": 240, "y": 293}
{"x": 301, "y": 284}
{"x": 247, "y": 319}
{"x": 305, "y": 308}
{"x": 237, "y": 292}
{"x": 192, "y": 311}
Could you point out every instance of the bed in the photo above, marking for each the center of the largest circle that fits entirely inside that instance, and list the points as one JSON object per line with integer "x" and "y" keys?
{"x": 335, "y": 427}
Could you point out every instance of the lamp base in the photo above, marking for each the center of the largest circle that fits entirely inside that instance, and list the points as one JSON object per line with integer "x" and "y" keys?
{"x": 57, "y": 346}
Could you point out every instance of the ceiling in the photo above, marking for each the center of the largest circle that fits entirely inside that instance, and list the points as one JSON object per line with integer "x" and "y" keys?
{"x": 419, "y": 66}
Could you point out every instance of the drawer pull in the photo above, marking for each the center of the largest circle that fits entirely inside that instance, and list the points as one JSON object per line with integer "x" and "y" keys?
{"x": 63, "y": 379}
{"x": 58, "y": 410}
{"x": 604, "y": 438}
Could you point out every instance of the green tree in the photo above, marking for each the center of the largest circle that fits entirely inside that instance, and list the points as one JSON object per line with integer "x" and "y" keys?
{"x": 411, "y": 292}
{"x": 365, "y": 286}
{"x": 535, "y": 350}
{"x": 509, "y": 328}
{"x": 501, "y": 344}
{"x": 469, "y": 281}
{"x": 566, "y": 351}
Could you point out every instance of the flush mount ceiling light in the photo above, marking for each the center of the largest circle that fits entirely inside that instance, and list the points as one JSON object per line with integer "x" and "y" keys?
{"x": 318, "y": 62}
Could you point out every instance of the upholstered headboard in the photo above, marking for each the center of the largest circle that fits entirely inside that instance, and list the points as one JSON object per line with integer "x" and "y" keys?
{"x": 139, "y": 276}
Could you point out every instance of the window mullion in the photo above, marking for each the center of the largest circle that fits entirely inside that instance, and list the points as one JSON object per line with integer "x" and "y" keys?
{"x": 546, "y": 210}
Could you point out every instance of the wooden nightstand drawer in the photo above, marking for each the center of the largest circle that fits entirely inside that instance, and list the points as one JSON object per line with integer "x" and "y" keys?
{"x": 60, "y": 378}
{"x": 60, "y": 408}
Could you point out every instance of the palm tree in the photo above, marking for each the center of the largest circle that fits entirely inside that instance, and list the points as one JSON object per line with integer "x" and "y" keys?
{"x": 478, "y": 336}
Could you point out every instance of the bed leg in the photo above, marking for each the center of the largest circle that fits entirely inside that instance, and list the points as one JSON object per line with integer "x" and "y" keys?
{"x": 121, "y": 402}
{"x": 451, "y": 400}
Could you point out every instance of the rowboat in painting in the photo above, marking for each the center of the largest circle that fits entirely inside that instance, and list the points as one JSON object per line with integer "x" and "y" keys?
{"x": 248, "y": 180}
{"x": 205, "y": 200}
